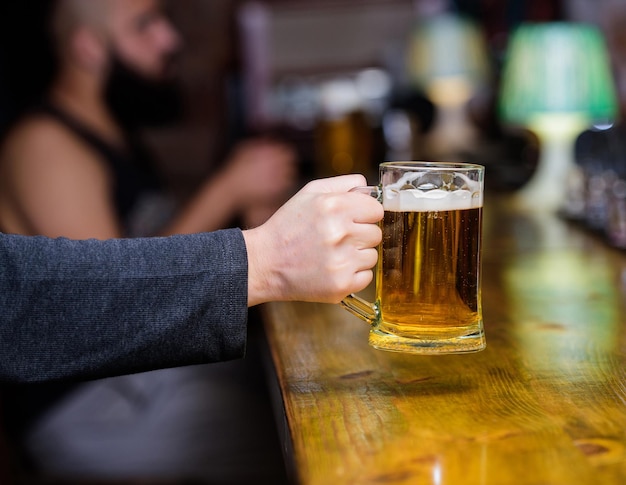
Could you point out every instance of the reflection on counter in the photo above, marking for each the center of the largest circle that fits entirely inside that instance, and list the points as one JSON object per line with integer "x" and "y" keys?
{"x": 566, "y": 297}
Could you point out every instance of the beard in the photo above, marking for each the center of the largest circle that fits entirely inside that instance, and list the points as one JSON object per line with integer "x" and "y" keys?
{"x": 137, "y": 101}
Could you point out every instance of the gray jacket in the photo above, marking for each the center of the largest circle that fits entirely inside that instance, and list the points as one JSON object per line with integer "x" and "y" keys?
{"x": 88, "y": 309}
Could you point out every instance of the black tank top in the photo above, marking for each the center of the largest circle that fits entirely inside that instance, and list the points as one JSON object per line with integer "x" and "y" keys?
{"x": 132, "y": 170}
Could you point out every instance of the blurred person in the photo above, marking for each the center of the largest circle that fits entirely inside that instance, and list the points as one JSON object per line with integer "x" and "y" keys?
{"x": 72, "y": 167}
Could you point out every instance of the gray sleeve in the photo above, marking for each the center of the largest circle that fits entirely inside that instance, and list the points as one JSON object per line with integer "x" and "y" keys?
{"x": 87, "y": 309}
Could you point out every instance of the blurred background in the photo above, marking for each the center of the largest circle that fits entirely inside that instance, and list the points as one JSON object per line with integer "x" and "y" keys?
{"x": 335, "y": 77}
{"x": 332, "y": 76}
{"x": 352, "y": 83}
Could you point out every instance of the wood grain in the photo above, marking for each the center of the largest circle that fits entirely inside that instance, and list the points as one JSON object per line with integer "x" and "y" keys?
{"x": 545, "y": 403}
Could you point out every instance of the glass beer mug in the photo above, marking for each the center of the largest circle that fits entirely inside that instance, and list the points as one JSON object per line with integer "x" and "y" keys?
{"x": 428, "y": 281}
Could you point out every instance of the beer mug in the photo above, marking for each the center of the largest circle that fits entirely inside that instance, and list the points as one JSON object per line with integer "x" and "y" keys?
{"x": 428, "y": 275}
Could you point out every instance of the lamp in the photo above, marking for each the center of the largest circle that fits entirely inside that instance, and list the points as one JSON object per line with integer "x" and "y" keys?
{"x": 556, "y": 82}
{"x": 447, "y": 60}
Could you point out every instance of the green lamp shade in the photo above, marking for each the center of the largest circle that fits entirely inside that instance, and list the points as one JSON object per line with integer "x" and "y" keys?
{"x": 447, "y": 46}
{"x": 558, "y": 67}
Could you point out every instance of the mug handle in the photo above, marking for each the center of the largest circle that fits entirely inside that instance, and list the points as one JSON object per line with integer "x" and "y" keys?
{"x": 356, "y": 305}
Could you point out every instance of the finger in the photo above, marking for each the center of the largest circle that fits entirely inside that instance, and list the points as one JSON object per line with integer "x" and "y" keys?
{"x": 341, "y": 183}
{"x": 361, "y": 280}
{"x": 366, "y": 236}
{"x": 367, "y": 210}
{"x": 366, "y": 259}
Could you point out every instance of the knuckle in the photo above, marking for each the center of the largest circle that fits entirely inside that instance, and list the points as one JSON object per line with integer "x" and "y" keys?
{"x": 330, "y": 204}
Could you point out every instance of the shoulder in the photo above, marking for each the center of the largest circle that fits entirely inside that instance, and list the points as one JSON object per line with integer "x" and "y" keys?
{"x": 40, "y": 142}
{"x": 38, "y": 132}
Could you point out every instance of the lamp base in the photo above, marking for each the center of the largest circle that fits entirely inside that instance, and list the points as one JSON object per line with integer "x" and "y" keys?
{"x": 548, "y": 188}
{"x": 452, "y": 134}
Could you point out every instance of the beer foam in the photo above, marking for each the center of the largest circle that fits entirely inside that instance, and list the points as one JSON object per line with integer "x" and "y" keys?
{"x": 414, "y": 200}
{"x": 418, "y": 192}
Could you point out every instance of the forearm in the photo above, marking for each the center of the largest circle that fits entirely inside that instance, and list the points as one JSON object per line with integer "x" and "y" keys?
{"x": 210, "y": 209}
{"x": 85, "y": 309}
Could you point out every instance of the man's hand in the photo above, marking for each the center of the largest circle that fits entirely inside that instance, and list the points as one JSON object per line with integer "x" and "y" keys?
{"x": 261, "y": 171}
{"x": 319, "y": 246}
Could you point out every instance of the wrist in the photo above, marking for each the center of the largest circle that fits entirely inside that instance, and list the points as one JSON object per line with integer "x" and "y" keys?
{"x": 263, "y": 284}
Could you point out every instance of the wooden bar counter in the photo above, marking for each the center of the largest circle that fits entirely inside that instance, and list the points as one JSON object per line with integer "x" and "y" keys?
{"x": 545, "y": 403}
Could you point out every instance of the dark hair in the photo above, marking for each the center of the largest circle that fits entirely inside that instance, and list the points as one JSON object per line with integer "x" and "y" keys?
{"x": 27, "y": 60}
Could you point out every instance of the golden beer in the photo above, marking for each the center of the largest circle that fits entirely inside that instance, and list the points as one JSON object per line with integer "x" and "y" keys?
{"x": 427, "y": 276}
{"x": 428, "y": 288}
